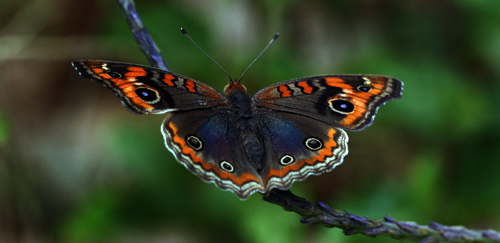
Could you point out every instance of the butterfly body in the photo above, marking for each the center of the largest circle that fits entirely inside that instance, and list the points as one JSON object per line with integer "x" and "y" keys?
{"x": 250, "y": 143}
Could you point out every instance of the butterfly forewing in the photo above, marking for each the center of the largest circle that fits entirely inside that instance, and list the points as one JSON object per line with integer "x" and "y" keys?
{"x": 346, "y": 101}
{"x": 149, "y": 90}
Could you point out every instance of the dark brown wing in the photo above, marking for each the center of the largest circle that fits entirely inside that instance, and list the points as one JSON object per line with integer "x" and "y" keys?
{"x": 149, "y": 90}
{"x": 347, "y": 101}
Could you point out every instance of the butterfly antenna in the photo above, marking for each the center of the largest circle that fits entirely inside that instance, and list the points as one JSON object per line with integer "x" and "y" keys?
{"x": 270, "y": 42}
{"x": 186, "y": 34}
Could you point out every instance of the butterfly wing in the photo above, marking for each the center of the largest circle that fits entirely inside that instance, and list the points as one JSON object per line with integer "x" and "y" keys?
{"x": 206, "y": 143}
{"x": 149, "y": 90}
{"x": 297, "y": 147}
{"x": 347, "y": 101}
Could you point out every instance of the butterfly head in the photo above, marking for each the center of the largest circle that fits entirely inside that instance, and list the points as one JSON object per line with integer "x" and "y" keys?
{"x": 234, "y": 85}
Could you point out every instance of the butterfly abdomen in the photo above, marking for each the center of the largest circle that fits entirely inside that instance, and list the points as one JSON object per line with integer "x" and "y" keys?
{"x": 246, "y": 126}
{"x": 252, "y": 145}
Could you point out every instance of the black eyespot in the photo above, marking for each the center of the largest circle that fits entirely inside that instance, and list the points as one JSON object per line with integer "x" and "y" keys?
{"x": 114, "y": 74}
{"x": 342, "y": 106}
{"x": 313, "y": 143}
{"x": 194, "y": 143}
{"x": 226, "y": 166}
{"x": 147, "y": 95}
{"x": 286, "y": 160}
{"x": 364, "y": 88}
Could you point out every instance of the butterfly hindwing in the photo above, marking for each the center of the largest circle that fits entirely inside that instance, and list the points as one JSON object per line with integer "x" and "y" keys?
{"x": 297, "y": 147}
{"x": 205, "y": 142}
{"x": 149, "y": 90}
{"x": 347, "y": 101}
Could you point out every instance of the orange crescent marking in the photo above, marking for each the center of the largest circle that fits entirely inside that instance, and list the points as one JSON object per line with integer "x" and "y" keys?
{"x": 137, "y": 69}
{"x": 337, "y": 82}
{"x": 168, "y": 80}
{"x": 307, "y": 88}
{"x": 97, "y": 70}
{"x": 285, "y": 91}
{"x": 134, "y": 72}
{"x": 197, "y": 160}
{"x": 104, "y": 75}
{"x": 361, "y": 95}
{"x": 190, "y": 86}
{"x": 139, "y": 101}
{"x": 115, "y": 81}
{"x": 377, "y": 88}
{"x": 351, "y": 118}
{"x": 325, "y": 152}
{"x": 127, "y": 88}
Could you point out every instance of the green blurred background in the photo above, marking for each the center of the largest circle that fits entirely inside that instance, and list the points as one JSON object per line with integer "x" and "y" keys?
{"x": 75, "y": 166}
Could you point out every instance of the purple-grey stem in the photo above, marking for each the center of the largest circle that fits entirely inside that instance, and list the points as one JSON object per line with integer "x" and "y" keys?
{"x": 141, "y": 35}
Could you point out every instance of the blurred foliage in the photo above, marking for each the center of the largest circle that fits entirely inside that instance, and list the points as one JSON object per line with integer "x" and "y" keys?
{"x": 77, "y": 167}
{"x": 3, "y": 129}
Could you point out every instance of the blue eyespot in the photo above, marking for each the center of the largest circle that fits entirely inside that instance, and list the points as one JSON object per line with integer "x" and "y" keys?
{"x": 114, "y": 74}
{"x": 364, "y": 88}
{"x": 147, "y": 95}
{"x": 341, "y": 106}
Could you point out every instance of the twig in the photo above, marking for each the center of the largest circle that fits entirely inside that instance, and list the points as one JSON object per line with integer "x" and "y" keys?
{"x": 321, "y": 213}
{"x": 352, "y": 224}
{"x": 141, "y": 35}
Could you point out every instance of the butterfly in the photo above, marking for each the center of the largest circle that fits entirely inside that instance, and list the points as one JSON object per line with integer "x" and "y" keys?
{"x": 250, "y": 143}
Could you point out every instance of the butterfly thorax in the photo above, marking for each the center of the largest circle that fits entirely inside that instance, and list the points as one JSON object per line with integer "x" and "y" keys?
{"x": 246, "y": 126}
{"x": 240, "y": 102}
